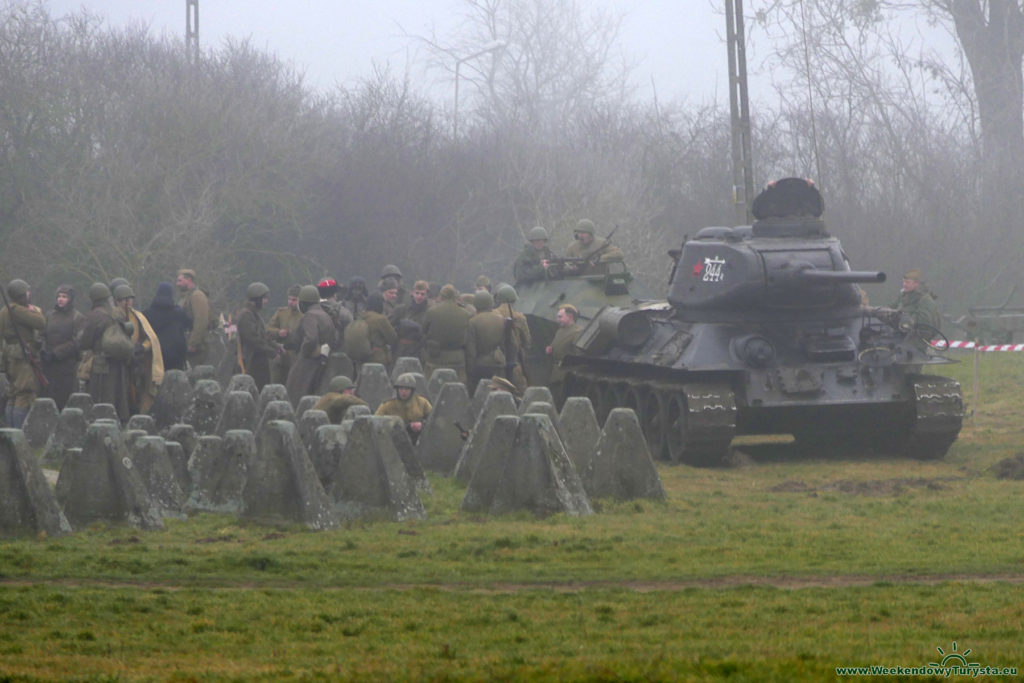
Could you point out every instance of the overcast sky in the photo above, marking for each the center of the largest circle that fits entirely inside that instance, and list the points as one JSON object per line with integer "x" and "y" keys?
{"x": 678, "y": 43}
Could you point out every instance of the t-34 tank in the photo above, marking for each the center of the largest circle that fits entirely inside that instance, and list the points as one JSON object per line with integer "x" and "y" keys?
{"x": 764, "y": 332}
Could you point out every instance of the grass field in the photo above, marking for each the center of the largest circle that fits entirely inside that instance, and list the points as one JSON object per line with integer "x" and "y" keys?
{"x": 781, "y": 570}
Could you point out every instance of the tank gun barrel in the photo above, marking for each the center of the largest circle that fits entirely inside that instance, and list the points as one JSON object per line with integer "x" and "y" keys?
{"x": 811, "y": 275}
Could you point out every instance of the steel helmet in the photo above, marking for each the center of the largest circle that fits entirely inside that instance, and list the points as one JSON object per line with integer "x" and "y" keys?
{"x": 17, "y": 289}
{"x": 585, "y": 225}
{"x": 505, "y": 294}
{"x": 392, "y": 270}
{"x": 122, "y": 292}
{"x": 406, "y": 380}
{"x": 256, "y": 290}
{"x": 309, "y": 295}
{"x": 537, "y": 233}
{"x": 98, "y": 292}
{"x": 340, "y": 383}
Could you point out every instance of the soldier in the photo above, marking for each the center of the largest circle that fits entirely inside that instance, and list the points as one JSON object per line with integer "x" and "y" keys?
{"x": 408, "y": 318}
{"x": 917, "y": 300}
{"x": 532, "y": 264}
{"x": 146, "y": 369}
{"x": 412, "y": 408}
{"x": 568, "y": 331}
{"x": 484, "y": 336}
{"x": 105, "y": 374}
{"x": 315, "y": 336}
{"x": 195, "y": 303}
{"x": 516, "y": 337}
{"x": 483, "y": 283}
{"x": 393, "y": 272}
{"x": 20, "y": 323}
{"x": 341, "y": 396}
{"x": 466, "y": 300}
{"x": 594, "y": 252}
{"x": 389, "y": 290}
{"x": 382, "y": 335}
{"x": 171, "y": 324}
{"x": 60, "y": 351}
{"x": 340, "y": 316}
{"x": 284, "y": 328}
{"x": 355, "y": 298}
{"x": 256, "y": 346}
{"x": 444, "y": 334}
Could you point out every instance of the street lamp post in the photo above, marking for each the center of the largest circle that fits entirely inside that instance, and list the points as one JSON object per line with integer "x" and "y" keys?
{"x": 492, "y": 46}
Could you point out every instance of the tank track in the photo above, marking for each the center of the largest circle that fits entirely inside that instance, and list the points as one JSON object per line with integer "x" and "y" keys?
{"x": 938, "y": 417}
{"x": 690, "y": 423}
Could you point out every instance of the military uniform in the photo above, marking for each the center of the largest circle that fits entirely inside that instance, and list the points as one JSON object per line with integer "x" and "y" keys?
{"x": 20, "y": 319}
{"x": 60, "y": 349}
{"x": 255, "y": 347}
{"x": 146, "y": 371}
{"x": 517, "y": 346}
{"x": 921, "y": 305}
{"x": 197, "y": 306}
{"x": 413, "y": 409}
{"x": 382, "y": 337}
{"x": 336, "y": 405}
{"x": 340, "y": 316}
{"x": 285, "y": 318}
{"x": 315, "y": 329}
{"x": 107, "y": 377}
{"x": 594, "y": 264}
{"x": 528, "y": 266}
{"x": 444, "y": 334}
{"x": 560, "y": 347}
{"x": 484, "y": 354}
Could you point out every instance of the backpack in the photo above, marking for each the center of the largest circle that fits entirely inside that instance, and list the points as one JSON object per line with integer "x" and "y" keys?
{"x": 357, "y": 340}
{"x": 115, "y": 343}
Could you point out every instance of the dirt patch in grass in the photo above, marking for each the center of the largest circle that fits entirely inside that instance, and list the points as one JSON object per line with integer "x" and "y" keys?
{"x": 878, "y": 487}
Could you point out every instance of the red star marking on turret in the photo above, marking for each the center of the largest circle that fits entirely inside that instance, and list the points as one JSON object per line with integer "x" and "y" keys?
{"x": 697, "y": 268}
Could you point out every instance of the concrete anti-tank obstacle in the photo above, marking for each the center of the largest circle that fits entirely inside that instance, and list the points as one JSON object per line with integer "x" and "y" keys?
{"x": 406, "y": 364}
{"x": 325, "y": 448}
{"x": 200, "y": 373}
{"x": 242, "y": 382}
{"x": 149, "y": 455}
{"x": 537, "y": 394}
{"x": 487, "y": 474}
{"x": 144, "y": 422}
{"x": 69, "y": 433}
{"x": 102, "y": 484}
{"x": 5, "y": 393}
{"x": 304, "y": 404}
{"x": 338, "y": 363}
{"x": 179, "y": 465}
{"x": 28, "y": 506}
{"x": 172, "y": 399}
{"x": 218, "y": 471}
{"x": 239, "y": 412}
{"x": 441, "y": 442}
{"x": 545, "y": 408}
{"x": 281, "y": 484}
{"x": 130, "y": 436}
{"x": 275, "y": 410}
{"x": 271, "y": 392}
{"x": 185, "y": 435}
{"x": 374, "y": 385}
{"x": 207, "y": 405}
{"x": 83, "y": 402}
{"x": 537, "y": 475}
{"x": 497, "y": 403}
{"x": 438, "y": 379}
{"x": 371, "y": 481}
{"x": 579, "y": 430}
{"x": 61, "y": 487}
{"x": 310, "y": 421}
{"x": 407, "y": 454}
{"x": 621, "y": 465}
{"x": 483, "y": 388}
{"x": 104, "y": 411}
{"x": 356, "y": 411}
{"x": 40, "y": 422}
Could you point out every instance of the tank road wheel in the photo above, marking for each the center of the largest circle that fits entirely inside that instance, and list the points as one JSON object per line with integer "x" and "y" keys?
{"x": 644, "y": 402}
{"x": 604, "y": 399}
{"x": 673, "y": 424}
{"x": 700, "y": 421}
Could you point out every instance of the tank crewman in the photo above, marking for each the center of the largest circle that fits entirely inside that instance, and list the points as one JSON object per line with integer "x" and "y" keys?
{"x": 146, "y": 369}
{"x": 315, "y": 336}
{"x": 408, "y": 405}
{"x": 516, "y": 337}
{"x": 408, "y": 319}
{"x": 444, "y": 334}
{"x": 340, "y": 316}
{"x": 595, "y": 252}
{"x": 532, "y": 263}
{"x": 484, "y": 337}
{"x": 355, "y": 297}
{"x": 106, "y": 377}
{"x": 60, "y": 352}
{"x": 918, "y": 301}
{"x": 284, "y": 329}
{"x": 340, "y": 396}
{"x": 568, "y": 332}
{"x": 256, "y": 344}
{"x": 20, "y": 319}
{"x": 393, "y": 272}
{"x": 195, "y": 303}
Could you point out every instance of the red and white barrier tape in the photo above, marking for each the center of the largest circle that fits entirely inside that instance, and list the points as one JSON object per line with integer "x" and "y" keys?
{"x": 939, "y": 344}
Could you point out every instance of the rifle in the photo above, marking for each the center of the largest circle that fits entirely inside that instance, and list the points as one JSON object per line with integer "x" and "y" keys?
{"x": 583, "y": 263}
{"x": 33, "y": 362}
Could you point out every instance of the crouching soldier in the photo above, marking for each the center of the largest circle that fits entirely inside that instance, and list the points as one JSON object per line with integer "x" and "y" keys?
{"x": 412, "y": 408}
{"x": 341, "y": 396}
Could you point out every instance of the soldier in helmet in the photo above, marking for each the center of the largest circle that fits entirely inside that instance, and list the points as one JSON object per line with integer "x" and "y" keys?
{"x": 484, "y": 335}
{"x": 408, "y": 405}
{"x": 516, "y": 337}
{"x": 20, "y": 320}
{"x": 60, "y": 352}
{"x": 315, "y": 336}
{"x": 444, "y": 334}
{"x": 284, "y": 328}
{"x": 195, "y": 303}
{"x": 392, "y": 271}
{"x": 340, "y": 316}
{"x": 106, "y": 375}
{"x": 341, "y": 396}
{"x": 408, "y": 318}
{"x": 146, "y": 369}
{"x": 532, "y": 264}
{"x": 256, "y": 347}
{"x": 355, "y": 297}
{"x": 594, "y": 253}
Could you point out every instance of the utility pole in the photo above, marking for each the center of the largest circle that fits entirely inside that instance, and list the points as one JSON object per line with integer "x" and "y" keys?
{"x": 192, "y": 29}
{"x": 739, "y": 110}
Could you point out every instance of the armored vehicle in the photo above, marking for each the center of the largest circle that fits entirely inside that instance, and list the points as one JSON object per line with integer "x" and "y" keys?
{"x": 765, "y": 332}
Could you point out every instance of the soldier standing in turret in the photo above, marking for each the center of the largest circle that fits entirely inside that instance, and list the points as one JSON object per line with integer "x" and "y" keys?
{"x": 594, "y": 252}
{"x": 917, "y": 300}
{"x": 533, "y": 262}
